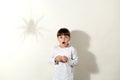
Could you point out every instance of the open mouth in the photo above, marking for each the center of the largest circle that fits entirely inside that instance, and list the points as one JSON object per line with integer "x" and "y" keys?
{"x": 63, "y": 42}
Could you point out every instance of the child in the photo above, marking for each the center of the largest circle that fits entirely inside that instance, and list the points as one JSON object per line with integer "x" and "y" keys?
{"x": 63, "y": 56}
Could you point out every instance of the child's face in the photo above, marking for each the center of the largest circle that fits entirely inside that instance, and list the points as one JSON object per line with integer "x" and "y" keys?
{"x": 63, "y": 40}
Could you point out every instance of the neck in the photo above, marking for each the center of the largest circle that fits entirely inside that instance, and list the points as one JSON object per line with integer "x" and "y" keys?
{"x": 64, "y": 46}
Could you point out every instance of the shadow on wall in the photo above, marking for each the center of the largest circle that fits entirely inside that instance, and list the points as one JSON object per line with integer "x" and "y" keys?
{"x": 87, "y": 62}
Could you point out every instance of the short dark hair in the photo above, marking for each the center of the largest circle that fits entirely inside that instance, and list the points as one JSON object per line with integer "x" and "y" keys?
{"x": 63, "y": 31}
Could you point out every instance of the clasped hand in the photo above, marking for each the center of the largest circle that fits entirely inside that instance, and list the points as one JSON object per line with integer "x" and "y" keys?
{"x": 61, "y": 59}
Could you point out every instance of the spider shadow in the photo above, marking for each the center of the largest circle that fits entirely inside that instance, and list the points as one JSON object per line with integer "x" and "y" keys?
{"x": 87, "y": 61}
{"x": 32, "y": 29}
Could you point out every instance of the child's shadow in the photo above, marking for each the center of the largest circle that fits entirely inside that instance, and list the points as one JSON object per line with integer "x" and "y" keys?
{"x": 87, "y": 60}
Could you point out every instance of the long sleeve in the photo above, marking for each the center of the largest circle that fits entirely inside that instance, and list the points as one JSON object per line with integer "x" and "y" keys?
{"x": 63, "y": 71}
{"x": 52, "y": 57}
{"x": 51, "y": 60}
{"x": 73, "y": 60}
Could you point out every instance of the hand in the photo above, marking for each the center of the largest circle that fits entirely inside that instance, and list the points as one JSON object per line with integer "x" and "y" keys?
{"x": 64, "y": 59}
{"x": 58, "y": 58}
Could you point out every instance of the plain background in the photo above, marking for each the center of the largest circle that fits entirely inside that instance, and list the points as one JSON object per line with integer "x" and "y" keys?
{"x": 94, "y": 26}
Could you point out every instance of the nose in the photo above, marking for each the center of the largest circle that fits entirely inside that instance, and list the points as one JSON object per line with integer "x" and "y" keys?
{"x": 63, "y": 39}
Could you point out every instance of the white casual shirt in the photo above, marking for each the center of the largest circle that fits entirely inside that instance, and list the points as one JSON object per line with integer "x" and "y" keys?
{"x": 64, "y": 71}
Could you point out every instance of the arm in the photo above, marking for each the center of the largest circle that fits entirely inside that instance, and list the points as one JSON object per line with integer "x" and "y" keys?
{"x": 55, "y": 59}
{"x": 73, "y": 60}
{"x": 51, "y": 58}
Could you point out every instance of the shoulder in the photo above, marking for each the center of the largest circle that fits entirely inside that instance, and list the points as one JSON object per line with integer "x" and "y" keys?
{"x": 73, "y": 49}
{"x": 55, "y": 47}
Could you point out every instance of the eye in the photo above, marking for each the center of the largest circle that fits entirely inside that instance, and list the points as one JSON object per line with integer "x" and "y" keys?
{"x": 60, "y": 37}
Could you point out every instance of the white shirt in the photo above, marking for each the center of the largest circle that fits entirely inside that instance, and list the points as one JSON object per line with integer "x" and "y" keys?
{"x": 64, "y": 71}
